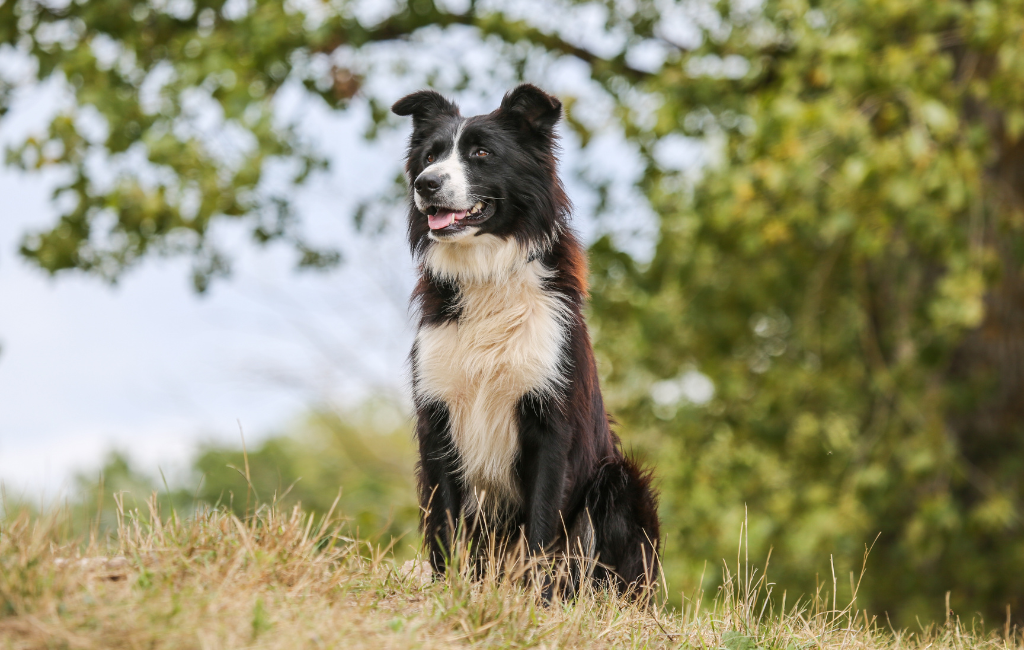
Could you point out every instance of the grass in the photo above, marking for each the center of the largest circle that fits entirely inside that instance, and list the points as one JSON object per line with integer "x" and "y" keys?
{"x": 286, "y": 579}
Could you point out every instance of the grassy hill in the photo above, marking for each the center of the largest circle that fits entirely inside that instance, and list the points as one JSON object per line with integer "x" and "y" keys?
{"x": 285, "y": 579}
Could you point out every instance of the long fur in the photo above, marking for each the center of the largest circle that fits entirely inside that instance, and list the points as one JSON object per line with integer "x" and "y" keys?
{"x": 511, "y": 424}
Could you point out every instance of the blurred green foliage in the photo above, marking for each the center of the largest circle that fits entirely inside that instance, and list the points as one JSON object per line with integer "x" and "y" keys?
{"x": 366, "y": 455}
{"x": 845, "y": 268}
{"x": 361, "y": 457}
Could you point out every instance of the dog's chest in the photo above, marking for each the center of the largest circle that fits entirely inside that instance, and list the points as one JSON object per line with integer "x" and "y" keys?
{"x": 506, "y": 344}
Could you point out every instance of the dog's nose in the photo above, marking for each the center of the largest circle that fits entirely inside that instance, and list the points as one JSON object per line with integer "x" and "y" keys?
{"x": 428, "y": 184}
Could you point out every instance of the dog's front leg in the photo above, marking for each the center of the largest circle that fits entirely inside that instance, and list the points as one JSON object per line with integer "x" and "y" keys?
{"x": 543, "y": 467}
{"x": 440, "y": 488}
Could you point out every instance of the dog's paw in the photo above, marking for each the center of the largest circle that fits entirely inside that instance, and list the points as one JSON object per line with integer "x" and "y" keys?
{"x": 418, "y": 572}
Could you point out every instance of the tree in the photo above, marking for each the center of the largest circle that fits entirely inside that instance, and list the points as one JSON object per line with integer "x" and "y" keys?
{"x": 845, "y": 268}
{"x": 848, "y": 272}
{"x": 175, "y": 99}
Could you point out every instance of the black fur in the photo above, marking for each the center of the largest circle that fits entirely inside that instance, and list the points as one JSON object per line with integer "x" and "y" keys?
{"x": 570, "y": 467}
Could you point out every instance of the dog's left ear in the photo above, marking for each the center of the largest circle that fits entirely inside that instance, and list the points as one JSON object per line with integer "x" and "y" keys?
{"x": 530, "y": 108}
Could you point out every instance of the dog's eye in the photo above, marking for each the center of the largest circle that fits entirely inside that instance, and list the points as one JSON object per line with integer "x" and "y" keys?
{"x": 430, "y": 158}
{"x": 480, "y": 153}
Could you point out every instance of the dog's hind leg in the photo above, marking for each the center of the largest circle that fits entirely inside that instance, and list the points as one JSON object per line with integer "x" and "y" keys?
{"x": 623, "y": 508}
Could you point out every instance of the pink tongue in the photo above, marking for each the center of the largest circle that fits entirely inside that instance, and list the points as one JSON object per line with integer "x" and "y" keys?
{"x": 444, "y": 218}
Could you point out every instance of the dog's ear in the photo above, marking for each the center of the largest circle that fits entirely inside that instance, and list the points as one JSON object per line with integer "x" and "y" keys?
{"x": 530, "y": 108}
{"x": 424, "y": 105}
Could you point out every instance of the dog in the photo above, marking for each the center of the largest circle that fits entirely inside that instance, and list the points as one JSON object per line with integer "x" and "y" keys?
{"x": 510, "y": 421}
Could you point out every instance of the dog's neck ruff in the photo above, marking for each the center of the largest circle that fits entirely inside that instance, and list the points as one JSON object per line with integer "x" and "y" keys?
{"x": 479, "y": 259}
{"x": 507, "y": 343}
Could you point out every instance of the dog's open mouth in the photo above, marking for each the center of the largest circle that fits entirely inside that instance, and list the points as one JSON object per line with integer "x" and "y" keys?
{"x": 444, "y": 220}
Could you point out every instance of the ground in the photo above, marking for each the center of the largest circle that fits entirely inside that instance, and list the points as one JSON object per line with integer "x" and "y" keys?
{"x": 293, "y": 580}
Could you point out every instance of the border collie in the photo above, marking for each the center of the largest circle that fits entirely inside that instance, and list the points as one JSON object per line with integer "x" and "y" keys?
{"x": 511, "y": 425}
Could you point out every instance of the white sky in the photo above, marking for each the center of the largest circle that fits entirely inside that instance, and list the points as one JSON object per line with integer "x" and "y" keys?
{"x": 150, "y": 367}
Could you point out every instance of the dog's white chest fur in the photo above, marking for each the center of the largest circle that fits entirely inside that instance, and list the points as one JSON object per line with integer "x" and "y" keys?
{"x": 507, "y": 343}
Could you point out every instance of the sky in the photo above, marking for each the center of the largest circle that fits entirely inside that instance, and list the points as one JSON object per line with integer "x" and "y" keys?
{"x": 152, "y": 369}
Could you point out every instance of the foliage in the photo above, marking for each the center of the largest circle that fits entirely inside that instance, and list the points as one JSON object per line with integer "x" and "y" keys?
{"x": 358, "y": 461}
{"x": 845, "y": 266}
{"x": 847, "y": 271}
{"x": 172, "y": 130}
{"x": 148, "y": 80}
{"x": 98, "y": 496}
{"x": 365, "y": 456}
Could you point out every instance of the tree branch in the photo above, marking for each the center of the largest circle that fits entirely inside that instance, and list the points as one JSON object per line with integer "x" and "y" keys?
{"x": 402, "y": 25}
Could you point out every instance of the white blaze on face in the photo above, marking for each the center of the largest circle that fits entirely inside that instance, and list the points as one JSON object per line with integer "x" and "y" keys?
{"x": 454, "y": 192}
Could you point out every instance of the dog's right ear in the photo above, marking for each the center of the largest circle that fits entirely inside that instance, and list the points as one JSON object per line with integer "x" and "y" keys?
{"x": 424, "y": 105}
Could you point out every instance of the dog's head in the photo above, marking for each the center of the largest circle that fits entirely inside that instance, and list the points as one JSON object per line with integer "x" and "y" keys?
{"x": 492, "y": 174}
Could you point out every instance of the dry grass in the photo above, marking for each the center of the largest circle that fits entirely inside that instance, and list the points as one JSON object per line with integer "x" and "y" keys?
{"x": 290, "y": 580}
